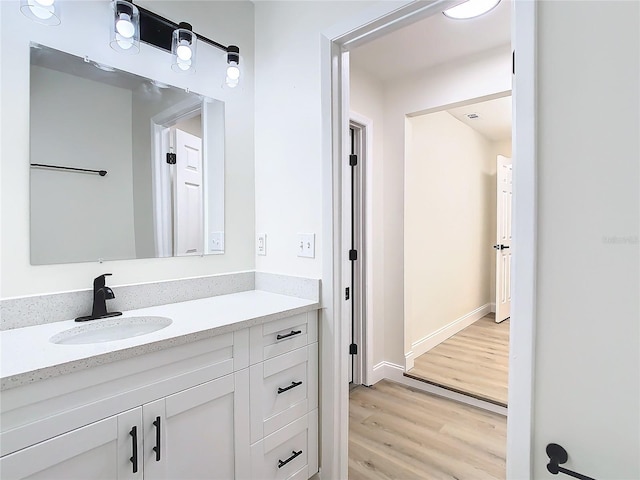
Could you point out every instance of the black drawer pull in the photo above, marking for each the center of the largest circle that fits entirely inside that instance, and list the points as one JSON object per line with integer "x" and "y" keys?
{"x": 293, "y": 385}
{"x": 134, "y": 447}
{"x": 157, "y": 447}
{"x": 293, "y": 332}
{"x": 294, "y": 454}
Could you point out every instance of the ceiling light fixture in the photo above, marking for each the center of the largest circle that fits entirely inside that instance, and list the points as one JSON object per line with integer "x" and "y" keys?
{"x": 471, "y": 9}
{"x": 45, "y": 12}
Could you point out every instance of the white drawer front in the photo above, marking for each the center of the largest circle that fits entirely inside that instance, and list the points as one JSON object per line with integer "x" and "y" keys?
{"x": 281, "y": 336}
{"x": 283, "y": 389}
{"x": 290, "y": 453}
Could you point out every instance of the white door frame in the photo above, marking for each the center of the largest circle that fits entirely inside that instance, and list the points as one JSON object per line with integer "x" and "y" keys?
{"x": 334, "y": 331}
{"x": 363, "y": 369}
{"x": 161, "y": 176}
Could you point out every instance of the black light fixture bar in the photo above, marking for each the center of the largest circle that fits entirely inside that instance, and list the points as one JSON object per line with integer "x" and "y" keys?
{"x": 157, "y": 31}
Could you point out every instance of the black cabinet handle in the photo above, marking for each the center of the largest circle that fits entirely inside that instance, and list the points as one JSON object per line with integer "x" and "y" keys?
{"x": 293, "y": 385}
{"x": 294, "y": 454}
{"x": 134, "y": 447}
{"x": 157, "y": 447}
{"x": 293, "y": 332}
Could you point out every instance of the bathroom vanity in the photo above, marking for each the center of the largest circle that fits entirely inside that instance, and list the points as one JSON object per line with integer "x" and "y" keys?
{"x": 226, "y": 388}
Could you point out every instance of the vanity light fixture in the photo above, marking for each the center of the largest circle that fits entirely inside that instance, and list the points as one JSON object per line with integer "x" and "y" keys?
{"x": 183, "y": 49}
{"x": 471, "y": 9}
{"x": 46, "y": 12}
{"x": 233, "y": 70}
{"x": 133, "y": 24}
{"x": 125, "y": 27}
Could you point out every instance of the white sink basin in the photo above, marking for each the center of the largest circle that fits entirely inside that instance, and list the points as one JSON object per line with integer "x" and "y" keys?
{"x": 98, "y": 331}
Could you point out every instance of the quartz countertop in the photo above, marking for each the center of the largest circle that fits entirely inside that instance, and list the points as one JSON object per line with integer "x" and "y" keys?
{"x": 27, "y": 355}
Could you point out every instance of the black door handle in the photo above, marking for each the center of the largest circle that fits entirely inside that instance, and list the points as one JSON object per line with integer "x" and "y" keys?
{"x": 500, "y": 246}
{"x": 157, "y": 447}
{"x": 134, "y": 446}
{"x": 557, "y": 456}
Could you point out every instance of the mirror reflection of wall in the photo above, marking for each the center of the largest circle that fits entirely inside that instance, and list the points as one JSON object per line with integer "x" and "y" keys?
{"x": 99, "y": 119}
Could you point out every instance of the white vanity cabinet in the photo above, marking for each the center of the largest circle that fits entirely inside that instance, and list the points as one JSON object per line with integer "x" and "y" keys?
{"x": 232, "y": 406}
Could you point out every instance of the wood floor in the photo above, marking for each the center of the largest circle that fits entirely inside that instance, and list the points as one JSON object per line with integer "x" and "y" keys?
{"x": 475, "y": 362}
{"x": 396, "y": 432}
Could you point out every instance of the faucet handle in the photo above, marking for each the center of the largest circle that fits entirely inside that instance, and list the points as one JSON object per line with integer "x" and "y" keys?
{"x": 100, "y": 281}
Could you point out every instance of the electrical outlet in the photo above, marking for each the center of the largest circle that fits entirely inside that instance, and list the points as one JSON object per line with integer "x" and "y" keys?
{"x": 216, "y": 241}
{"x": 261, "y": 244}
{"x": 307, "y": 245}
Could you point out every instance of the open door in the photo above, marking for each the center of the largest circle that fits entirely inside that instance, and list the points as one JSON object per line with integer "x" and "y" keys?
{"x": 188, "y": 195}
{"x": 503, "y": 244}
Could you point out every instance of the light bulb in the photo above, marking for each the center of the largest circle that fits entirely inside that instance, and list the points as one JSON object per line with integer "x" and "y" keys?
{"x": 233, "y": 72}
{"x": 41, "y": 9}
{"x": 124, "y": 26}
{"x": 183, "y": 64}
{"x": 471, "y": 9}
{"x": 184, "y": 51}
{"x": 124, "y": 42}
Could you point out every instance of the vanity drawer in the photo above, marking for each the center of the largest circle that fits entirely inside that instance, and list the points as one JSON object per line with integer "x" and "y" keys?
{"x": 281, "y": 336}
{"x": 283, "y": 389}
{"x": 290, "y": 453}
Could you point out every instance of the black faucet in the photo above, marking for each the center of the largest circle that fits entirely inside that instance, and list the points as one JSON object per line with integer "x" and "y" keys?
{"x": 101, "y": 293}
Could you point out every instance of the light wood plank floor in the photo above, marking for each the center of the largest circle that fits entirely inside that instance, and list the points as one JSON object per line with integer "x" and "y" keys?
{"x": 475, "y": 362}
{"x": 397, "y": 432}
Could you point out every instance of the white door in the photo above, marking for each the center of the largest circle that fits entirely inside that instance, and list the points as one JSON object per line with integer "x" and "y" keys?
{"x": 188, "y": 195}
{"x": 191, "y": 434}
{"x": 103, "y": 450}
{"x": 503, "y": 244}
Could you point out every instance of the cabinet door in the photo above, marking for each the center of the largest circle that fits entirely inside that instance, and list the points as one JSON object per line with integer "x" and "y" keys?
{"x": 100, "y": 451}
{"x": 199, "y": 433}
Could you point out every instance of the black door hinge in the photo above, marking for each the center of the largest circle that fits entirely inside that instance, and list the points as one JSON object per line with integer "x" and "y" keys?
{"x": 513, "y": 62}
{"x": 353, "y": 349}
{"x": 353, "y": 160}
{"x": 171, "y": 158}
{"x": 353, "y": 255}
{"x": 346, "y": 293}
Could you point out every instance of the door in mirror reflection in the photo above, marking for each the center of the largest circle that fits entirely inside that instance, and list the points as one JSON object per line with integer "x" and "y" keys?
{"x": 87, "y": 118}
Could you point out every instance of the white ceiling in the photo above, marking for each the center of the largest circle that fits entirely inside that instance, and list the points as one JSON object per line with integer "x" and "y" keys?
{"x": 494, "y": 118}
{"x": 433, "y": 41}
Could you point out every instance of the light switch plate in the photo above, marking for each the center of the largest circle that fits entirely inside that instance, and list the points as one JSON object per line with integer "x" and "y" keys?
{"x": 261, "y": 244}
{"x": 216, "y": 241}
{"x": 306, "y": 245}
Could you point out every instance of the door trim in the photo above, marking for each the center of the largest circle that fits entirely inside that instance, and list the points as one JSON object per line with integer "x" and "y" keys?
{"x": 335, "y": 109}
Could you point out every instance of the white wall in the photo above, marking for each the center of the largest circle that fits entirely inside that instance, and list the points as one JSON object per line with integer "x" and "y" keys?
{"x": 289, "y": 128}
{"x": 84, "y": 32}
{"x": 449, "y": 207}
{"x": 78, "y": 216}
{"x": 367, "y": 99}
{"x": 587, "y": 384}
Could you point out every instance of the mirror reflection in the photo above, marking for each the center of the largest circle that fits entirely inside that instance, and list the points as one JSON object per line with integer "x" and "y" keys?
{"x": 122, "y": 166}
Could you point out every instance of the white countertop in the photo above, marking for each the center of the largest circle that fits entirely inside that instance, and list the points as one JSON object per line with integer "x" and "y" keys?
{"x": 27, "y": 355}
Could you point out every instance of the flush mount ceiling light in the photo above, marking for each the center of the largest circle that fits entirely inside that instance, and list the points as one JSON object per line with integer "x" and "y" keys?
{"x": 471, "y": 9}
{"x": 46, "y": 12}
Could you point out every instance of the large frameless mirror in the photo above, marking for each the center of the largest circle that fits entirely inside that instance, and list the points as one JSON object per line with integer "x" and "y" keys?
{"x": 122, "y": 166}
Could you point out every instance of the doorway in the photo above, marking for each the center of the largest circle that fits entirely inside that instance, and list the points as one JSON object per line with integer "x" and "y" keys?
{"x": 518, "y": 464}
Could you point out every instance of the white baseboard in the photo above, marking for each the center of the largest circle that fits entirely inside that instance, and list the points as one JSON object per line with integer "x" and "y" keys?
{"x": 427, "y": 343}
{"x": 386, "y": 370}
